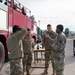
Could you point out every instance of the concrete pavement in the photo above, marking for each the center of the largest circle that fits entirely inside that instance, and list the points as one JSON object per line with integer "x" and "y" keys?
{"x": 69, "y": 63}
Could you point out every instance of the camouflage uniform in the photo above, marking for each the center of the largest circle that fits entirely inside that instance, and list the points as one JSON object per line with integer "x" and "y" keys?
{"x": 14, "y": 44}
{"x": 59, "y": 53}
{"x": 48, "y": 50}
{"x": 27, "y": 47}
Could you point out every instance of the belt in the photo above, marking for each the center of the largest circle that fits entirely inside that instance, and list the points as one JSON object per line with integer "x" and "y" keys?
{"x": 26, "y": 53}
{"x": 15, "y": 58}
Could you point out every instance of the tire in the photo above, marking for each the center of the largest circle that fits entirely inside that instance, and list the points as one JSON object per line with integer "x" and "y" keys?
{"x": 2, "y": 55}
{"x": 74, "y": 54}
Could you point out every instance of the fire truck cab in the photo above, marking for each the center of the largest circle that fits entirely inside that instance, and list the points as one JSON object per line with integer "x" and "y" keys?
{"x": 14, "y": 13}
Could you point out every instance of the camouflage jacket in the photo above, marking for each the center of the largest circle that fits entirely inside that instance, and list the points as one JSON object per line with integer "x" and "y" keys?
{"x": 14, "y": 44}
{"x": 59, "y": 43}
{"x": 46, "y": 41}
{"x": 27, "y": 46}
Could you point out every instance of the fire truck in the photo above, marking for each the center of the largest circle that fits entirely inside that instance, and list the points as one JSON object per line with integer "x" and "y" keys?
{"x": 12, "y": 13}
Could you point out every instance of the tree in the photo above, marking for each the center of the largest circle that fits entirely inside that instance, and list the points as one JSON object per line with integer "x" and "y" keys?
{"x": 67, "y": 32}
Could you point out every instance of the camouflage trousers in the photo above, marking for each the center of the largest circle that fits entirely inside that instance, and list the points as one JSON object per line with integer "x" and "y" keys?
{"x": 59, "y": 63}
{"x": 48, "y": 56}
{"x": 27, "y": 60}
{"x": 16, "y": 67}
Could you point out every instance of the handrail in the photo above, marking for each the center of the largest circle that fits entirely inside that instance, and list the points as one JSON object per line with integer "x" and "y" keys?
{"x": 21, "y": 6}
{"x": 16, "y": 5}
{"x": 28, "y": 11}
{"x": 24, "y": 6}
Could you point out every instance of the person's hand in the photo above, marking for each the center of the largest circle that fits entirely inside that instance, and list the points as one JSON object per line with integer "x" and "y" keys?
{"x": 50, "y": 46}
{"x": 47, "y": 35}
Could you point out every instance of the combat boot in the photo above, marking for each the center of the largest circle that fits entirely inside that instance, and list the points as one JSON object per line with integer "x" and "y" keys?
{"x": 45, "y": 72}
{"x": 54, "y": 72}
{"x": 28, "y": 73}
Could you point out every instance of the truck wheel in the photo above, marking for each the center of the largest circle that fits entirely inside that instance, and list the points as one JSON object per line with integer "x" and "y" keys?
{"x": 2, "y": 55}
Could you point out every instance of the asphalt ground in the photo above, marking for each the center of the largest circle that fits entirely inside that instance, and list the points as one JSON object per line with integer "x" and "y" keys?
{"x": 69, "y": 63}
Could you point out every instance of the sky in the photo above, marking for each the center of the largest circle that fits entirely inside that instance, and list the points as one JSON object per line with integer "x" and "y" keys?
{"x": 52, "y": 12}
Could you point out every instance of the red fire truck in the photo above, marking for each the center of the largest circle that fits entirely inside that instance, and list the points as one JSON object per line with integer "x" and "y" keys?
{"x": 14, "y": 13}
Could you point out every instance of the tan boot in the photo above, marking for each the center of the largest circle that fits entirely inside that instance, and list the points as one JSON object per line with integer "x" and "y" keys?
{"x": 28, "y": 73}
{"x": 54, "y": 72}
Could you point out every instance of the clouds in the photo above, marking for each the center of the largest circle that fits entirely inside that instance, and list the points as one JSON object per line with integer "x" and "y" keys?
{"x": 52, "y": 11}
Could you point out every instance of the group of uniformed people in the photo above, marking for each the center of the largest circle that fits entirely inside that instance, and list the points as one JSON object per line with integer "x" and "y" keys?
{"x": 19, "y": 45}
{"x": 54, "y": 49}
{"x": 20, "y": 49}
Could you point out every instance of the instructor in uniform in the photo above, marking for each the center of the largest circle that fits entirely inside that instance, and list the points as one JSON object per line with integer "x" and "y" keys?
{"x": 48, "y": 49}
